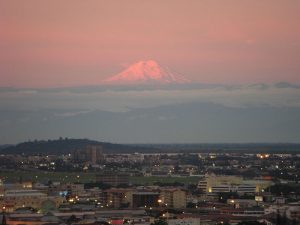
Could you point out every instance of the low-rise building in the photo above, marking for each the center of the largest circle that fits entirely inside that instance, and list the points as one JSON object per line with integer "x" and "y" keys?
{"x": 14, "y": 199}
{"x": 174, "y": 198}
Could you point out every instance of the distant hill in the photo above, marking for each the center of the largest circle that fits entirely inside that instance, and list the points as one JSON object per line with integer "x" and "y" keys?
{"x": 66, "y": 145}
{"x": 4, "y": 146}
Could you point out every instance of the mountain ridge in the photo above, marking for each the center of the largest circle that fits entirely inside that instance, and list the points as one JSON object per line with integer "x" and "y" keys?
{"x": 66, "y": 146}
{"x": 53, "y": 147}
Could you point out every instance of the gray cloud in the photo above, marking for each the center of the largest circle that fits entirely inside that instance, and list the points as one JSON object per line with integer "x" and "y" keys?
{"x": 122, "y": 99}
{"x": 199, "y": 113}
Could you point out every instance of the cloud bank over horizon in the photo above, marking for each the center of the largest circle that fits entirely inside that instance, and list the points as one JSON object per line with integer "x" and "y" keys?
{"x": 197, "y": 113}
{"x": 124, "y": 98}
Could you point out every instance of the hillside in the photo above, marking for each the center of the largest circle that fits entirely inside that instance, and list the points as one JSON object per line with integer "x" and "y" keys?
{"x": 65, "y": 146}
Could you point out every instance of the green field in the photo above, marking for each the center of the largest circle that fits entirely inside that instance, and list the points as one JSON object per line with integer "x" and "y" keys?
{"x": 83, "y": 177}
{"x": 151, "y": 180}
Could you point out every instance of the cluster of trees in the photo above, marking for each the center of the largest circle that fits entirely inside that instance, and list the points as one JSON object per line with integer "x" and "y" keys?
{"x": 285, "y": 189}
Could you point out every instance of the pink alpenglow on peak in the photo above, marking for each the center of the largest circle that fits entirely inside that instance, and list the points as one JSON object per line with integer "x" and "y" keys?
{"x": 146, "y": 72}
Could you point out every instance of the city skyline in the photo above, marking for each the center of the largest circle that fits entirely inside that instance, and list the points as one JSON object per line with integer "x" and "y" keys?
{"x": 149, "y": 112}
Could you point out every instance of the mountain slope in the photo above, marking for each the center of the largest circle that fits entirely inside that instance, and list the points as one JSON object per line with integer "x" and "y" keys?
{"x": 144, "y": 72}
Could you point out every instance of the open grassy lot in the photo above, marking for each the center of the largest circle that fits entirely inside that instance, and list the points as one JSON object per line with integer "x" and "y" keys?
{"x": 83, "y": 177}
{"x": 151, "y": 180}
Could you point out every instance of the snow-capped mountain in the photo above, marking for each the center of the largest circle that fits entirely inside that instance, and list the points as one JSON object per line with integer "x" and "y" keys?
{"x": 146, "y": 72}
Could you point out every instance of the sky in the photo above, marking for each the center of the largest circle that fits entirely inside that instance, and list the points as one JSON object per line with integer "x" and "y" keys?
{"x": 73, "y": 43}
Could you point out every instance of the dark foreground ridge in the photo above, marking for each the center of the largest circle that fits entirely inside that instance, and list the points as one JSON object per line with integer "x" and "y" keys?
{"x": 68, "y": 145}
